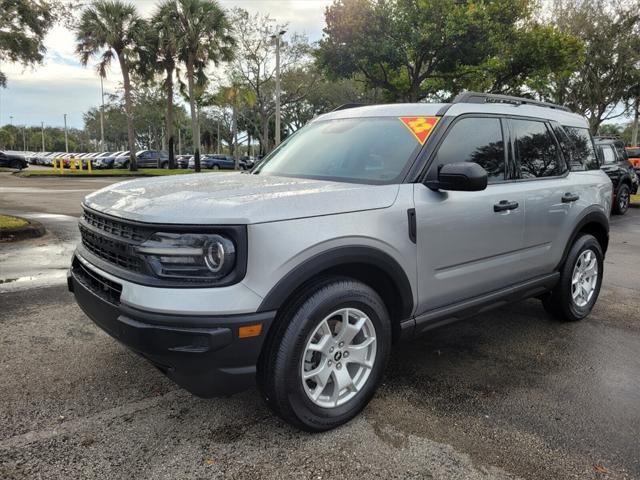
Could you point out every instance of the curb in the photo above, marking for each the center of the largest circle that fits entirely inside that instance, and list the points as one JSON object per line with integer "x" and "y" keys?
{"x": 32, "y": 230}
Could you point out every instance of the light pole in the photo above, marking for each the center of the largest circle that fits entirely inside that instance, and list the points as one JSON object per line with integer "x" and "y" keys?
{"x": 24, "y": 139}
{"x": 277, "y": 39}
{"x": 102, "y": 116}
{"x": 66, "y": 138}
{"x": 11, "y": 120}
{"x": 42, "y": 125}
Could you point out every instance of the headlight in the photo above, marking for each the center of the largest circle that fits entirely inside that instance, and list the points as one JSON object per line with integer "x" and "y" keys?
{"x": 191, "y": 257}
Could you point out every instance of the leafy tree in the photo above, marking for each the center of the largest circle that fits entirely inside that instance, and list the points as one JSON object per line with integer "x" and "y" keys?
{"x": 114, "y": 29}
{"x": 609, "y": 76}
{"x": 204, "y": 36}
{"x": 413, "y": 49}
{"x": 254, "y": 67}
{"x": 23, "y": 26}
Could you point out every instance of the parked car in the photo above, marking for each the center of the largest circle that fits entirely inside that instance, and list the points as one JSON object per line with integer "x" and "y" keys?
{"x": 247, "y": 163}
{"x": 13, "y": 160}
{"x": 634, "y": 157}
{"x": 106, "y": 159}
{"x": 214, "y": 162}
{"x": 367, "y": 227}
{"x": 145, "y": 159}
{"x": 182, "y": 161}
{"x": 615, "y": 163}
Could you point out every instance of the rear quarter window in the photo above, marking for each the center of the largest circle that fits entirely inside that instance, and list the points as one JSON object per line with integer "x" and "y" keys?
{"x": 582, "y": 149}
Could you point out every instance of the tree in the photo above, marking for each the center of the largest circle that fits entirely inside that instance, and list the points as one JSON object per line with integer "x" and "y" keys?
{"x": 254, "y": 67}
{"x": 414, "y": 49}
{"x": 114, "y": 28}
{"x": 604, "y": 85}
{"x": 23, "y": 26}
{"x": 164, "y": 44}
{"x": 204, "y": 36}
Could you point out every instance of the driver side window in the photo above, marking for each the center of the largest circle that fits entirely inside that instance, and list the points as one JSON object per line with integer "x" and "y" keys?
{"x": 477, "y": 140}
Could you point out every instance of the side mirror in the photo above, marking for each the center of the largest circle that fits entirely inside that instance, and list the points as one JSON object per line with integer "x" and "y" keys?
{"x": 462, "y": 176}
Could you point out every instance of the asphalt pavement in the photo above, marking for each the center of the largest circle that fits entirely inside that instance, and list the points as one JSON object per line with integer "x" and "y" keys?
{"x": 507, "y": 394}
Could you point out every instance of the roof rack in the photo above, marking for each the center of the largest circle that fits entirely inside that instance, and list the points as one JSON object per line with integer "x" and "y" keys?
{"x": 347, "y": 106}
{"x": 477, "y": 97}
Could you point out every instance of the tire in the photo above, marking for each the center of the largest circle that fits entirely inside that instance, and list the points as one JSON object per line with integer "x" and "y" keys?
{"x": 622, "y": 200}
{"x": 303, "y": 323}
{"x": 561, "y": 302}
{"x": 165, "y": 166}
{"x": 16, "y": 164}
{"x": 125, "y": 165}
{"x": 216, "y": 167}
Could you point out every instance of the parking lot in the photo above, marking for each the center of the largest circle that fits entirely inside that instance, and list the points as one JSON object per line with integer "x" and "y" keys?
{"x": 507, "y": 394}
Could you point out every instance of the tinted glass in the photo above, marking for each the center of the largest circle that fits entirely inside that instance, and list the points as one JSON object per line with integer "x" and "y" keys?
{"x": 371, "y": 150}
{"x": 477, "y": 140}
{"x": 582, "y": 151}
{"x": 536, "y": 150}
{"x": 633, "y": 152}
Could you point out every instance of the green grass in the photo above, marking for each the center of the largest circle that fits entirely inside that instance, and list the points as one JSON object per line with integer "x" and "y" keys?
{"x": 7, "y": 222}
{"x": 143, "y": 172}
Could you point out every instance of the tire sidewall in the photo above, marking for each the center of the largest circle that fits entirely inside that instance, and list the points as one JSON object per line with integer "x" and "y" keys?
{"x": 586, "y": 242}
{"x": 302, "y": 325}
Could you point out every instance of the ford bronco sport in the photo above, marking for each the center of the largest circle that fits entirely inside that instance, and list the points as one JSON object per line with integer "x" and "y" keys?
{"x": 367, "y": 227}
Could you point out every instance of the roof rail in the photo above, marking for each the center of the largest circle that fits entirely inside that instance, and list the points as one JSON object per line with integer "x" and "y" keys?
{"x": 477, "y": 97}
{"x": 347, "y": 106}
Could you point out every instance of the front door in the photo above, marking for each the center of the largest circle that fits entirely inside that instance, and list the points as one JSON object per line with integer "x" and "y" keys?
{"x": 469, "y": 242}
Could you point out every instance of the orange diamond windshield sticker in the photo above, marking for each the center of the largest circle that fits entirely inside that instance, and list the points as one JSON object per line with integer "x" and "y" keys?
{"x": 420, "y": 126}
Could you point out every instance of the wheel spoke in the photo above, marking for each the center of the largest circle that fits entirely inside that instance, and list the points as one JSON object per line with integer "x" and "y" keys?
{"x": 358, "y": 353}
{"x": 348, "y": 331}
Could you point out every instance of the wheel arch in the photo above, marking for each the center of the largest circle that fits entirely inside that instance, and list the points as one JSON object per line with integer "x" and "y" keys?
{"x": 369, "y": 265}
{"x": 595, "y": 223}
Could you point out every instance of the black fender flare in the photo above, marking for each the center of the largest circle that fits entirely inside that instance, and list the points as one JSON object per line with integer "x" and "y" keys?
{"x": 335, "y": 257}
{"x": 593, "y": 215}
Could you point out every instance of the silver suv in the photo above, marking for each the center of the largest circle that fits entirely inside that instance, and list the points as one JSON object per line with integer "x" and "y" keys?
{"x": 369, "y": 226}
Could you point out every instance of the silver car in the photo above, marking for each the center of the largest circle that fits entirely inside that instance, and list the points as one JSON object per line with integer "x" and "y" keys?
{"x": 367, "y": 227}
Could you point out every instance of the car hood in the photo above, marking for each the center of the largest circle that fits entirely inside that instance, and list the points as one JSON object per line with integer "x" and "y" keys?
{"x": 235, "y": 198}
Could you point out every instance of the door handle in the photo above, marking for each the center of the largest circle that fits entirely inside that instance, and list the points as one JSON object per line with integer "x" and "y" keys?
{"x": 570, "y": 197}
{"x": 504, "y": 205}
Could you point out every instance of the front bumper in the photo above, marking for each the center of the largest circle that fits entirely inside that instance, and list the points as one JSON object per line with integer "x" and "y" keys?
{"x": 202, "y": 354}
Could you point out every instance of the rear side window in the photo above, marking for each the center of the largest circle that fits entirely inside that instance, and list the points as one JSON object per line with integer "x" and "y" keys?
{"x": 608, "y": 155}
{"x": 582, "y": 151}
{"x": 477, "y": 140}
{"x": 536, "y": 150}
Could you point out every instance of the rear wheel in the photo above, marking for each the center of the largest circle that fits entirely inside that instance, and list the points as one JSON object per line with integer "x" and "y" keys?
{"x": 327, "y": 355}
{"x": 17, "y": 164}
{"x": 165, "y": 165}
{"x": 622, "y": 200}
{"x": 216, "y": 167}
{"x": 577, "y": 290}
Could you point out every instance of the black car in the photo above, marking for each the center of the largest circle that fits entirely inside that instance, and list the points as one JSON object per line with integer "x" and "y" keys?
{"x": 215, "y": 162}
{"x": 11, "y": 160}
{"x": 615, "y": 163}
{"x": 182, "y": 161}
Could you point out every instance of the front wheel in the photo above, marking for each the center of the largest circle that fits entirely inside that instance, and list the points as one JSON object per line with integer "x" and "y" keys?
{"x": 577, "y": 290}
{"x": 622, "y": 200}
{"x": 327, "y": 355}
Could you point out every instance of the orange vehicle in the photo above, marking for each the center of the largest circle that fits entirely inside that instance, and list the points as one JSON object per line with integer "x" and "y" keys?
{"x": 634, "y": 156}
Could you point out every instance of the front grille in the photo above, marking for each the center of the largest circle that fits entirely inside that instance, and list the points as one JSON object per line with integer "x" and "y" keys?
{"x": 112, "y": 240}
{"x": 101, "y": 286}
{"x": 114, "y": 227}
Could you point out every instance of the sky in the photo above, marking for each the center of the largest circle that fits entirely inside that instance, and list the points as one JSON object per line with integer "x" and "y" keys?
{"x": 61, "y": 85}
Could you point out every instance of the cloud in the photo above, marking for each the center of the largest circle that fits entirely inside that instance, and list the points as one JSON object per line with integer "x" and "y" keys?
{"x": 61, "y": 85}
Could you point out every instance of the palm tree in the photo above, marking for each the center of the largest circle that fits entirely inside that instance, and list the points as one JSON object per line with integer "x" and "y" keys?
{"x": 164, "y": 44}
{"x": 113, "y": 29}
{"x": 204, "y": 35}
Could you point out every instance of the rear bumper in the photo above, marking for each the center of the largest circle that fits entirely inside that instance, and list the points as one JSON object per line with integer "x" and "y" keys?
{"x": 202, "y": 354}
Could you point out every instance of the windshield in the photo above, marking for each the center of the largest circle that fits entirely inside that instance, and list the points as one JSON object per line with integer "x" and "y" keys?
{"x": 369, "y": 150}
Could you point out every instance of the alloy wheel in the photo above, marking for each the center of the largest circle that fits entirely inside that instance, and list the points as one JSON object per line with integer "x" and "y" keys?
{"x": 338, "y": 357}
{"x": 584, "y": 278}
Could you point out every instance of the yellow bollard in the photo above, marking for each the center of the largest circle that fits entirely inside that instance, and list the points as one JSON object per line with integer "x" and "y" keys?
{"x": 72, "y": 165}
{"x": 89, "y": 167}
{"x": 80, "y": 164}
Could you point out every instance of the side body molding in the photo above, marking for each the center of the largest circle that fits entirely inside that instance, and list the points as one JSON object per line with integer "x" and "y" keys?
{"x": 335, "y": 258}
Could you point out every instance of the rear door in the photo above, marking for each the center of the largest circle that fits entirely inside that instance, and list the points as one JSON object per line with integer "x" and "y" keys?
{"x": 552, "y": 194}
{"x": 469, "y": 242}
